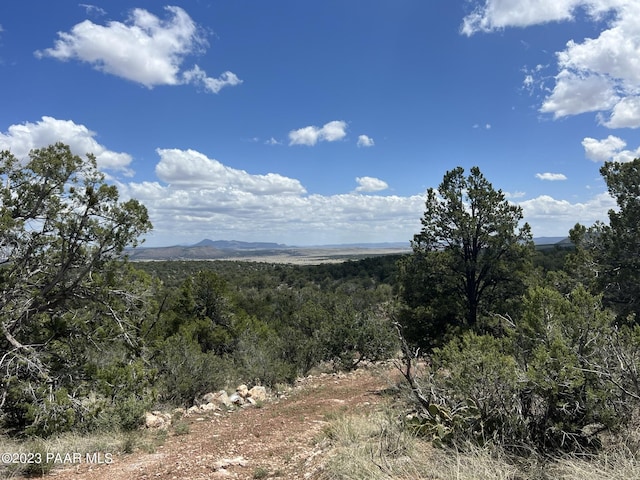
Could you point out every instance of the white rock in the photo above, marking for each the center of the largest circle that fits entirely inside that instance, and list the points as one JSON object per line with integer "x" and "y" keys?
{"x": 151, "y": 420}
{"x": 192, "y": 410}
{"x": 258, "y": 393}
{"x": 220, "y": 398}
{"x": 209, "y": 397}
{"x": 242, "y": 390}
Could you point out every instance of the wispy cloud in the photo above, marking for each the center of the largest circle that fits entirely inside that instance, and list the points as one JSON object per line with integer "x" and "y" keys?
{"x": 513, "y": 195}
{"x": 329, "y": 132}
{"x": 145, "y": 49}
{"x": 370, "y": 184}
{"x": 197, "y": 76}
{"x": 93, "y": 10}
{"x": 552, "y": 177}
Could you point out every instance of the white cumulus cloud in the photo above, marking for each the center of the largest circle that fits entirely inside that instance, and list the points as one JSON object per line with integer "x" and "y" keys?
{"x": 600, "y": 74}
{"x": 370, "y": 184}
{"x": 497, "y": 14}
{"x": 575, "y": 93}
{"x": 329, "y": 132}
{"x": 549, "y": 216}
{"x": 214, "y": 85}
{"x": 365, "y": 141}
{"x": 198, "y": 197}
{"x": 145, "y": 49}
{"x": 194, "y": 169}
{"x": 22, "y": 138}
{"x": 610, "y": 148}
{"x": 625, "y": 114}
{"x": 552, "y": 177}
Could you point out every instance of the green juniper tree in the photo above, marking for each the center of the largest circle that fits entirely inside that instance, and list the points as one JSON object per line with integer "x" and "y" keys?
{"x": 468, "y": 260}
{"x": 607, "y": 257}
{"x": 69, "y": 304}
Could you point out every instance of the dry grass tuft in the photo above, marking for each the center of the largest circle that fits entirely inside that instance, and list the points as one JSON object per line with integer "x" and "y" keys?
{"x": 113, "y": 443}
{"x": 377, "y": 447}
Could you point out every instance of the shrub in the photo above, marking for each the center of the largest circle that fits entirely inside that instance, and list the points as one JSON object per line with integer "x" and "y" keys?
{"x": 552, "y": 383}
{"x": 186, "y": 372}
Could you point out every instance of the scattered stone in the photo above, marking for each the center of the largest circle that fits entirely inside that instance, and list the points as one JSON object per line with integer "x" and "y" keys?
{"x": 258, "y": 393}
{"x": 209, "y": 407}
{"x": 192, "y": 410}
{"x": 242, "y": 390}
{"x": 210, "y": 397}
{"x": 236, "y": 399}
{"x": 220, "y": 398}
{"x": 157, "y": 420}
{"x": 229, "y": 462}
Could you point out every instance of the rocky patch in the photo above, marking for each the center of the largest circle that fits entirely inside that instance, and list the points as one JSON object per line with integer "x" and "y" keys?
{"x": 210, "y": 402}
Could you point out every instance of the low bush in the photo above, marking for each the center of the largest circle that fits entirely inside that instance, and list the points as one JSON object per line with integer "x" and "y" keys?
{"x": 561, "y": 375}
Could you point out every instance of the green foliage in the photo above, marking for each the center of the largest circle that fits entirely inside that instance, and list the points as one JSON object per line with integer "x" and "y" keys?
{"x": 266, "y": 324}
{"x": 476, "y": 385}
{"x": 53, "y": 413}
{"x": 259, "y": 354}
{"x": 128, "y": 389}
{"x": 185, "y": 371}
{"x": 607, "y": 257}
{"x": 181, "y": 428}
{"x": 62, "y": 233}
{"x": 89, "y": 342}
{"x": 469, "y": 260}
{"x": 552, "y": 383}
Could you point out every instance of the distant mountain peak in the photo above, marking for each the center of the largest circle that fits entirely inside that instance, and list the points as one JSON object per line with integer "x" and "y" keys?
{"x": 551, "y": 240}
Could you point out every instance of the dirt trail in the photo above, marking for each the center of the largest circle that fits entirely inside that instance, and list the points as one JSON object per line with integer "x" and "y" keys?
{"x": 277, "y": 440}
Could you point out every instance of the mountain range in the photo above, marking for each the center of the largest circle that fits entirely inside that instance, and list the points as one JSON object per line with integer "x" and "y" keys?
{"x": 267, "y": 251}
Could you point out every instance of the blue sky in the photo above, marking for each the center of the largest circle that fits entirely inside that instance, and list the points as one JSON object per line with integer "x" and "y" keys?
{"x": 325, "y": 122}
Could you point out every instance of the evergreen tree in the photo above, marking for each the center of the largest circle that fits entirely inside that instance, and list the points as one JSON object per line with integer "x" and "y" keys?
{"x": 69, "y": 303}
{"x": 468, "y": 260}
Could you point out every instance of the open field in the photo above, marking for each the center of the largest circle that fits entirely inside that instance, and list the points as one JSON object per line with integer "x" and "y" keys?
{"x": 315, "y": 256}
{"x": 290, "y": 255}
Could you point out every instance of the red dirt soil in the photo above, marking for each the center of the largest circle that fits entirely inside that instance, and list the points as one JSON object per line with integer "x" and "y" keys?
{"x": 278, "y": 440}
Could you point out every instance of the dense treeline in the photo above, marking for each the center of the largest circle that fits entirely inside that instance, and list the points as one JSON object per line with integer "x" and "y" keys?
{"x": 377, "y": 269}
{"x": 266, "y": 323}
